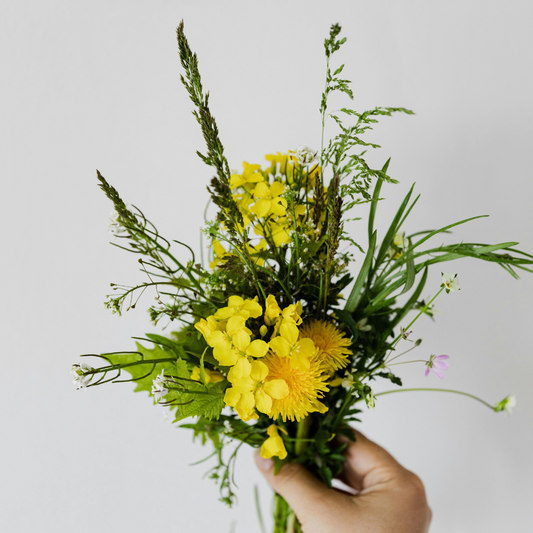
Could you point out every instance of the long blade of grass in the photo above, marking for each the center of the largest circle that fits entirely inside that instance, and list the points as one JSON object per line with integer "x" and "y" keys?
{"x": 410, "y": 273}
{"x": 389, "y": 289}
{"x": 351, "y": 303}
{"x": 408, "y": 211}
{"x": 374, "y": 203}
{"x": 494, "y": 247}
{"x": 258, "y": 508}
{"x": 393, "y": 229}
{"x": 445, "y": 228}
{"x": 412, "y": 300}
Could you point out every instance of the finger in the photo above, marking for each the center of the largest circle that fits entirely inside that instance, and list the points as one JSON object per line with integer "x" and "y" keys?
{"x": 306, "y": 495}
{"x": 350, "y": 478}
{"x": 368, "y": 464}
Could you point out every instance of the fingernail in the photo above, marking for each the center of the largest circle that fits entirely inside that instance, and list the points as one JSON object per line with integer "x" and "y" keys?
{"x": 265, "y": 465}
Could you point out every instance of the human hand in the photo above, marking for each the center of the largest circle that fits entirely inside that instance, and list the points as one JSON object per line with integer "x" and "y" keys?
{"x": 389, "y": 499}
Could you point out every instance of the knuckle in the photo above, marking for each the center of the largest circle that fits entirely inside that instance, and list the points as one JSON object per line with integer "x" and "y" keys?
{"x": 414, "y": 490}
{"x": 416, "y": 485}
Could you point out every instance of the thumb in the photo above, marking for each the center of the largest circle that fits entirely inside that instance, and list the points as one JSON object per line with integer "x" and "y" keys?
{"x": 306, "y": 495}
{"x": 368, "y": 464}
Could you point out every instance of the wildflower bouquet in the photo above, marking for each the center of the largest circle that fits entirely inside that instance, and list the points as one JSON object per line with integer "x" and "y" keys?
{"x": 276, "y": 345}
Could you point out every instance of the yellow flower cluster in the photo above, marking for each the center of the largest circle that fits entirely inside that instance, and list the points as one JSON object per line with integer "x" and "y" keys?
{"x": 285, "y": 377}
{"x": 259, "y": 196}
{"x": 260, "y": 201}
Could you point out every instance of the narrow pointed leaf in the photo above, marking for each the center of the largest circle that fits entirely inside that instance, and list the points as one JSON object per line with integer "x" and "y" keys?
{"x": 362, "y": 276}
{"x": 412, "y": 300}
{"x": 393, "y": 229}
{"x": 374, "y": 203}
{"x": 410, "y": 273}
{"x": 494, "y": 247}
{"x": 441, "y": 230}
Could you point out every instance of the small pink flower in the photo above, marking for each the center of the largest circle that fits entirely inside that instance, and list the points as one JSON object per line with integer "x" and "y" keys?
{"x": 404, "y": 334}
{"x": 437, "y": 363}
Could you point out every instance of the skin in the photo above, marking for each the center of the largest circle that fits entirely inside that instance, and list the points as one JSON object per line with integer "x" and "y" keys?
{"x": 387, "y": 498}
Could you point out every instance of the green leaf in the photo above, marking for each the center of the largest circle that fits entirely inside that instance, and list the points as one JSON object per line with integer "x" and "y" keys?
{"x": 374, "y": 203}
{"x": 347, "y": 318}
{"x": 389, "y": 375}
{"x": 351, "y": 303}
{"x": 389, "y": 289}
{"x": 146, "y": 372}
{"x": 441, "y": 230}
{"x": 410, "y": 273}
{"x": 193, "y": 342}
{"x": 165, "y": 342}
{"x": 207, "y": 405}
{"x": 408, "y": 211}
{"x": 347, "y": 432}
{"x": 278, "y": 463}
{"x": 202, "y": 369}
{"x": 393, "y": 229}
{"x": 412, "y": 300}
{"x": 494, "y": 247}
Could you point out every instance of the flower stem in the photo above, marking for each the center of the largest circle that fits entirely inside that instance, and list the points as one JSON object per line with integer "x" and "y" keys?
{"x": 120, "y": 366}
{"x": 405, "y": 362}
{"x": 281, "y": 511}
{"x": 491, "y": 407}
{"x": 301, "y": 434}
{"x": 423, "y": 310}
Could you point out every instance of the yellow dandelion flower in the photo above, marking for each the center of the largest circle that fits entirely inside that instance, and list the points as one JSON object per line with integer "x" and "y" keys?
{"x": 331, "y": 342}
{"x": 305, "y": 388}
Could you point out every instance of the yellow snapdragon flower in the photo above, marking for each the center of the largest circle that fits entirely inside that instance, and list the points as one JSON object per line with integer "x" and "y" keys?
{"x": 237, "y": 306}
{"x": 291, "y": 313}
{"x": 219, "y": 252}
{"x": 255, "y": 250}
{"x": 254, "y": 391}
{"x": 251, "y": 175}
{"x": 272, "y": 310}
{"x": 288, "y": 345}
{"x": 241, "y": 398}
{"x": 273, "y": 446}
{"x": 281, "y": 159}
{"x": 277, "y": 230}
{"x": 211, "y": 376}
{"x": 268, "y": 199}
{"x": 234, "y": 347}
{"x": 208, "y": 326}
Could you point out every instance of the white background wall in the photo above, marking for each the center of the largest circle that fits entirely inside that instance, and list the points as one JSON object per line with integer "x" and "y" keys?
{"x": 95, "y": 84}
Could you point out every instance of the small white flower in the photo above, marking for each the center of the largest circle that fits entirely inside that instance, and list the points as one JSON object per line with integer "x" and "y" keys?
{"x": 399, "y": 240}
{"x": 348, "y": 381}
{"x": 306, "y": 156}
{"x": 158, "y": 387}
{"x": 370, "y": 401}
{"x": 506, "y": 405}
{"x": 115, "y": 227}
{"x": 79, "y": 373}
{"x": 363, "y": 325}
{"x": 395, "y": 250}
{"x": 450, "y": 282}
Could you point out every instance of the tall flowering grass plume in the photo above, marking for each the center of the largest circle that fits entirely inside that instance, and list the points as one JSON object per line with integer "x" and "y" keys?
{"x": 333, "y": 346}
